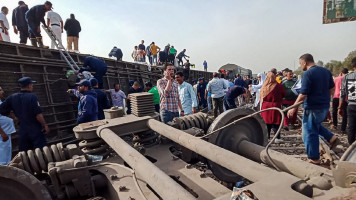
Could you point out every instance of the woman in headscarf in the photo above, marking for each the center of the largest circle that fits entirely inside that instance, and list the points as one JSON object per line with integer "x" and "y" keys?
{"x": 271, "y": 95}
{"x": 256, "y": 88}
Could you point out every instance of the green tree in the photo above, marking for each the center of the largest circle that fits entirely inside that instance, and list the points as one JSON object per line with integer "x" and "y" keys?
{"x": 334, "y": 66}
{"x": 347, "y": 61}
{"x": 320, "y": 63}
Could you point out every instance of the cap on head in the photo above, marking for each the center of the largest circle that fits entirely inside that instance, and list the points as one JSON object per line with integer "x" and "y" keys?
{"x": 148, "y": 84}
{"x": 93, "y": 82}
{"x": 131, "y": 82}
{"x": 48, "y": 3}
{"x": 25, "y": 81}
{"x": 84, "y": 83}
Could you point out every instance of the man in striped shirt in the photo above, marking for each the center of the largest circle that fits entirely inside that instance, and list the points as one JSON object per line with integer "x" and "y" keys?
{"x": 170, "y": 104}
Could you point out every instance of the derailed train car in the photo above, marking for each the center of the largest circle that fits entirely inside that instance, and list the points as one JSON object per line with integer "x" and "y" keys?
{"x": 47, "y": 67}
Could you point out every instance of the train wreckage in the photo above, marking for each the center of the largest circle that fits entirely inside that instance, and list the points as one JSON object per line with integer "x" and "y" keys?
{"x": 138, "y": 157}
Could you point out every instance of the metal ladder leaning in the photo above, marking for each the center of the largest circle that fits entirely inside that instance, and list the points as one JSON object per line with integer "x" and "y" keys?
{"x": 64, "y": 53}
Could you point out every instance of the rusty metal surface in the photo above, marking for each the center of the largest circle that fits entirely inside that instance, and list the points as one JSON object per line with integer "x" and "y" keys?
{"x": 21, "y": 185}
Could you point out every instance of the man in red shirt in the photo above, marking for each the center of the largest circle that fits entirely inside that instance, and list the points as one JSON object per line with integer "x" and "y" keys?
{"x": 338, "y": 81}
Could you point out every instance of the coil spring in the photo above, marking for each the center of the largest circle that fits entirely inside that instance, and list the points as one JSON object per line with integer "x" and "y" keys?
{"x": 36, "y": 161}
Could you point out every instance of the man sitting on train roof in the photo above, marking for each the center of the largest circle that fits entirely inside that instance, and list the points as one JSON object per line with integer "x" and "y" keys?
{"x": 94, "y": 65}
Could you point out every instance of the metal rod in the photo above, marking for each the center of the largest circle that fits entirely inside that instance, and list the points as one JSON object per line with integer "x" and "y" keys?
{"x": 286, "y": 163}
{"x": 241, "y": 165}
{"x": 165, "y": 186}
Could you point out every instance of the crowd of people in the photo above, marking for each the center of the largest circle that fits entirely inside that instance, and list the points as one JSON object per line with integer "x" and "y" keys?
{"x": 175, "y": 94}
{"x": 26, "y": 22}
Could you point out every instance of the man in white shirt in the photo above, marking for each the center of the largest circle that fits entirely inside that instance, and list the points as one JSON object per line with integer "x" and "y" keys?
{"x": 187, "y": 95}
{"x": 4, "y": 25}
{"x": 55, "y": 22}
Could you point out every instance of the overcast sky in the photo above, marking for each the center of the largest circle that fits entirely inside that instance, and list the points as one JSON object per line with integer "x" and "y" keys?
{"x": 254, "y": 34}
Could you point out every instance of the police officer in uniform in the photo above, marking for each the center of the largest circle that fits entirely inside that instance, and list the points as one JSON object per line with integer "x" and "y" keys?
{"x": 27, "y": 109}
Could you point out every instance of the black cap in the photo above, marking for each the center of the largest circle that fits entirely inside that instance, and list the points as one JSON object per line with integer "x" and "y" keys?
{"x": 25, "y": 81}
{"x": 21, "y": 2}
{"x": 49, "y": 3}
{"x": 93, "y": 82}
{"x": 149, "y": 84}
{"x": 84, "y": 82}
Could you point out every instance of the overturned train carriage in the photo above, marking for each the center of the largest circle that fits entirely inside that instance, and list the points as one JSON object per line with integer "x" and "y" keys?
{"x": 48, "y": 68}
{"x": 138, "y": 157}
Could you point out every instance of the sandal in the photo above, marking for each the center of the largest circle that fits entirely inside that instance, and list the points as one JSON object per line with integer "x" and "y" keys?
{"x": 334, "y": 143}
{"x": 315, "y": 162}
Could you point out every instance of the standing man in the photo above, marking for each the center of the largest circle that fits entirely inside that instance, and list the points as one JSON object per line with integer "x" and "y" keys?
{"x": 180, "y": 57}
{"x": 135, "y": 88}
{"x": 154, "y": 91}
{"x": 6, "y": 129}
{"x": 96, "y": 65}
{"x": 101, "y": 97}
{"x": 172, "y": 54}
{"x": 72, "y": 27}
{"x": 289, "y": 99}
{"x": 317, "y": 86}
{"x": 170, "y": 103}
{"x": 186, "y": 95}
{"x": 208, "y": 98}
{"x": 143, "y": 48}
{"x": 4, "y": 25}
{"x": 154, "y": 51}
{"x": 117, "y": 96}
{"x": 54, "y": 20}
{"x": 27, "y": 109}
{"x": 336, "y": 102}
{"x": 186, "y": 70}
{"x": 88, "y": 104}
{"x": 205, "y": 64}
{"x": 232, "y": 94}
{"x": 116, "y": 52}
{"x": 348, "y": 89}
{"x": 216, "y": 88}
{"x": 201, "y": 93}
{"x": 34, "y": 17}
{"x": 19, "y": 22}
{"x": 134, "y": 53}
{"x": 148, "y": 52}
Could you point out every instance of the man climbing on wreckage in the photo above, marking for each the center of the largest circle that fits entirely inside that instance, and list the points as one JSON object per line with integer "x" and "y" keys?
{"x": 96, "y": 65}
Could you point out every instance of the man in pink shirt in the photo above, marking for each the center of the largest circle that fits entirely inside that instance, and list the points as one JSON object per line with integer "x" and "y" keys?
{"x": 338, "y": 81}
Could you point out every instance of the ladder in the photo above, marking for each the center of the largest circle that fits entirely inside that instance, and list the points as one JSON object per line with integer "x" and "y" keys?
{"x": 64, "y": 53}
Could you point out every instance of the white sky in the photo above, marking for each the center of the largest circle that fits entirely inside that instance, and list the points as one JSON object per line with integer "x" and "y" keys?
{"x": 254, "y": 34}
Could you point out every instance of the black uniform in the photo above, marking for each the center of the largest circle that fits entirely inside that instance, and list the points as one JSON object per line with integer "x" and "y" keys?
{"x": 18, "y": 19}
{"x": 34, "y": 17}
{"x": 26, "y": 107}
{"x": 103, "y": 103}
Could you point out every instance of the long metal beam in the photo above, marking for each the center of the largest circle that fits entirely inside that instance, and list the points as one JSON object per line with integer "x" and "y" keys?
{"x": 240, "y": 165}
{"x": 165, "y": 186}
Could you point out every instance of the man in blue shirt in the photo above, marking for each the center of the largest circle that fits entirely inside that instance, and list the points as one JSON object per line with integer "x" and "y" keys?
{"x": 186, "y": 95}
{"x": 27, "y": 109}
{"x": 232, "y": 94}
{"x": 102, "y": 99}
{"x": 19, "y": 22}
{"x": 116, "y": 52}
{"x": 88, "y": 105}
{"x": 205, "y": 64}
{"x": 95, "y": 65}
{"x": 216, "y": 88}
{"x": 240, "y": 82}
{"x": 201, "y": 93}
{"x": 317, "y": 86}
{"x": 34, "y": 17}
